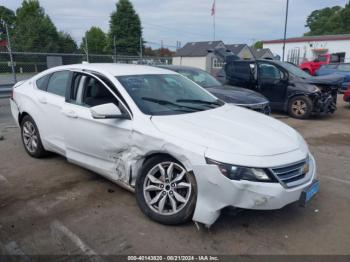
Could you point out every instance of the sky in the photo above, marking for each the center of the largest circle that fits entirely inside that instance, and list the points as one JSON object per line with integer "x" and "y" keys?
{"x": 169, "y": 21}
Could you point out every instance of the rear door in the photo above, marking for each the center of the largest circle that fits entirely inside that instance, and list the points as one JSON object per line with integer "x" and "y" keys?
{"x": 271, "y": 84}
{"x": 240, "y": 73}
{"x": 51, "y": 98}
{"x": 98, "y": 144}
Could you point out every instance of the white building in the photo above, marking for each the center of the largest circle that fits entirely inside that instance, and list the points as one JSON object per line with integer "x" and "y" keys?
{"x": 307, "y": 48}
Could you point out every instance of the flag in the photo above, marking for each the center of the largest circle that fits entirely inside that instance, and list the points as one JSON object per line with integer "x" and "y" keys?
{"x": 213, "y": 9}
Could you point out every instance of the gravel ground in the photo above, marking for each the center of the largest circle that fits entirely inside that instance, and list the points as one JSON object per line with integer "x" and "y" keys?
{"x": 49, "y": 206}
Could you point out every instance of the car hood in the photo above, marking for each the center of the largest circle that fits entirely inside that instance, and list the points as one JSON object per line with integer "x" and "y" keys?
{"x": 237, "y": 95}
{"x": 231, "y": 129}
{"x": 332, "y": 79}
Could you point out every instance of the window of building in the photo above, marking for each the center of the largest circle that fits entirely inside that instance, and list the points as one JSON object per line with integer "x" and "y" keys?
{"x": 217, "y": 63}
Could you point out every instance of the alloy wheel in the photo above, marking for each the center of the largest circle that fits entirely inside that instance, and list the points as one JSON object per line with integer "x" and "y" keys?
{"x": 30, "y": 136}
{"x": 299, "y": 107}
{"x": 167, "y": 188}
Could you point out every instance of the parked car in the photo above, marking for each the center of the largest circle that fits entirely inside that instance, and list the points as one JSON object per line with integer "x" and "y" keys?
{"x": 286, "y": 86}
{"x": 230, "y": 94}
{"x": 185, "y": 153}
{"x": 311, "y": 67}
{"x": 346, "y": 96}
{"x": 339, "y": 69}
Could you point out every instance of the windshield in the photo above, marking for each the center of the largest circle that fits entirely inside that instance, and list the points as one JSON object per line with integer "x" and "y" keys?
{"x": 163, "y": 94}
{"x": 200, "y": 77}
{"x": 294, "y": 70}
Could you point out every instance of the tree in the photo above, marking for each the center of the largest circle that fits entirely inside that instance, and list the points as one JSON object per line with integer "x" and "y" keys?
{"x": 66, "y": 43}
{"x": 34, "y": 29}
{"x": 258, "y": 45}
{"x": 125, "y": 26}
{"x": 96, "y": 40}
{"x": 329, "y": 20}
{"x": 8, "y": 15}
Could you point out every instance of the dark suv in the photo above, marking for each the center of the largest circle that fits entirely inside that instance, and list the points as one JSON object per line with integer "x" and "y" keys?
{"x": 286, "y": 86}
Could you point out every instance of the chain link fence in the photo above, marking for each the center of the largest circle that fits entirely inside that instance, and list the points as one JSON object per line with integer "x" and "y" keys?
{"x": 28, "y": 64}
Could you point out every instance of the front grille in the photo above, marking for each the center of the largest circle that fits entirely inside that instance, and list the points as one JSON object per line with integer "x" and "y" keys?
{"x": 293, "y": 174}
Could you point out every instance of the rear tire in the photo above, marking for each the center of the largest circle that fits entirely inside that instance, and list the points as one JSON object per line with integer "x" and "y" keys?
{"x": 300, "y": 107}
{"x": 165, "y": 191}
{"x": 31, "y": 138}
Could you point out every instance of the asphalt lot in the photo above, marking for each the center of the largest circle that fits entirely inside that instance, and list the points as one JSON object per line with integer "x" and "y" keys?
{"x": 52, "y": 207}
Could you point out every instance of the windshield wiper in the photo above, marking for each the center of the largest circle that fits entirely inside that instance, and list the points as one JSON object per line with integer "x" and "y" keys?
{"x": 198, "y": 101}
{"x": 166, "y": 102}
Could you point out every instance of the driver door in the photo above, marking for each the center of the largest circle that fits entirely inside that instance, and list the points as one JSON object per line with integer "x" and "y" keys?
{"x": 96, "y": 144}
{"x": 271, "y": 84}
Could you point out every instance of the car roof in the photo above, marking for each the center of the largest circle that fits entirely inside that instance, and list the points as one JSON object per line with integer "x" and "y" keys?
{"x": 116, "y": 69}
{"x": 178, "y": 67}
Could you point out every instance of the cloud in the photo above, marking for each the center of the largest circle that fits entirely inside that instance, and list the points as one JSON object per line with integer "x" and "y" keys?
{"x": 237, "y": 21}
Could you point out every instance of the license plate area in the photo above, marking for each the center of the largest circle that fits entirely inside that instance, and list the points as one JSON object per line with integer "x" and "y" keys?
{"x": 309, "y": 192}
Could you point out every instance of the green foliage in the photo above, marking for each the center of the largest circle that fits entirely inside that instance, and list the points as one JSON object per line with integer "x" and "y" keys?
{"x": 8, "y": 15}
{"x": 96, "y": 41}
{"x": 34, "y": 30}
{"x": 329, "y": 20}
{"x": 125, "y": 26}
{"x": 66, "y": 43}
{"x": 258, "y": 45}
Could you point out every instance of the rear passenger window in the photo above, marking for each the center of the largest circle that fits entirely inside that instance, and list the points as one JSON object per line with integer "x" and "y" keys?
{"x": 58, "y": 83}
{"x": 41, "y": 83}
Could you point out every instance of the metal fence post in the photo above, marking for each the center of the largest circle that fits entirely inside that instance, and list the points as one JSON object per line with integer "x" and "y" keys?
{"x": 10, "y": 50}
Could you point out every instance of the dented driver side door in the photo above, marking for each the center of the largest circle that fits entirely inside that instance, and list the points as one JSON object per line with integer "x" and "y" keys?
{"x": 97, "y": 144}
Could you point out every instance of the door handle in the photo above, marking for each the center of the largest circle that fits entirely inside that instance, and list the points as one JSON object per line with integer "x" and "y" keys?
{"x": 70, "y": 114}
{"x": 42, "y": 100}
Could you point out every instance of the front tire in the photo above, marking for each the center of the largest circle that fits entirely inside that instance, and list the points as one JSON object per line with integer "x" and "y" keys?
{"x": 300, "y": 107}
{"x": 165, "y": 191}
{"x": 31, "y": 138}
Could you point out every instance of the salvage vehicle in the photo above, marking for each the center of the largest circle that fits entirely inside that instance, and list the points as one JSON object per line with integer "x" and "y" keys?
{"x": 230, "y": 94}
{"x": 286, "y": 86}
{"x": 185, "y": 153}
{"x": 311, "y": 67}
{"x": 342, "y": 69}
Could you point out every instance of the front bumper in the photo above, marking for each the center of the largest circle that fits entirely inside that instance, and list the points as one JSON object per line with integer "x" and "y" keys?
{"x": 215, "y": 192}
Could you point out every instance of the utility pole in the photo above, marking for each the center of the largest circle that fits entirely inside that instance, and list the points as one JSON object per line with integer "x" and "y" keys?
{"x": 3, "y": 22}
{"x": 141, "y": 47}
{"x": 285, "y": 31}
{"x": 86, "y": 49}
{"x": 115, "y": 50}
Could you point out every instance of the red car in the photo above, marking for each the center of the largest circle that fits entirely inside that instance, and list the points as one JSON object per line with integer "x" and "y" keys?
{"x": 347, "y": 95}
{"x": 311, "y": 66}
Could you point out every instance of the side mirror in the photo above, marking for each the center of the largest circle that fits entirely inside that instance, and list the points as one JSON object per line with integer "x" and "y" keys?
{"x": 106, "y": 111}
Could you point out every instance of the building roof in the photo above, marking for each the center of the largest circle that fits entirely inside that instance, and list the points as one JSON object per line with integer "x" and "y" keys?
{"x": 310, "y": 39}
{"x": 258, "y": 53}
{"x": 197, "y": 48}
{"x": 235, "y": 48}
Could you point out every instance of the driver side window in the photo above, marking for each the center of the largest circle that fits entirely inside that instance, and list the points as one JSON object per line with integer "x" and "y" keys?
{"x": 268, "y": 71}
{"x": 95, "y": 93}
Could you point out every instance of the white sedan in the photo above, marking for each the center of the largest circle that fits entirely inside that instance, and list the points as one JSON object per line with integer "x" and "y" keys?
{"x": 184, "y": 152}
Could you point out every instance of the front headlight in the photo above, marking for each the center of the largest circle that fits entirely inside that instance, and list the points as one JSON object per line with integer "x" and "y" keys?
{"x": 241, "y": 173}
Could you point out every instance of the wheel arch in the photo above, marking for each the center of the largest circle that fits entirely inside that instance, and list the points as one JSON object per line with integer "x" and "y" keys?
{"x": 182, "y": 160}
{"x": 21, "y": 115}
